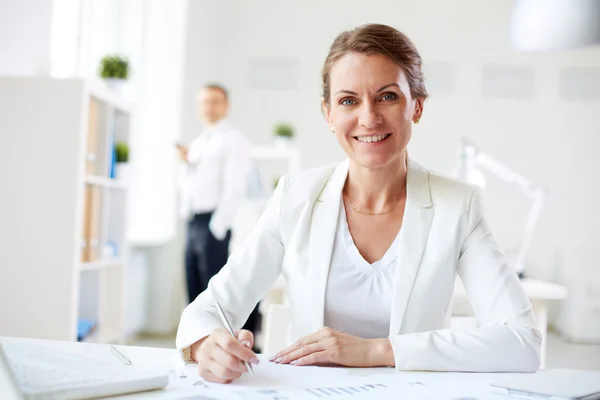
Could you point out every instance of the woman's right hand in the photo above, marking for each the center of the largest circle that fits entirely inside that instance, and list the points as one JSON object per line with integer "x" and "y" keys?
{"x": 221, "y": 357}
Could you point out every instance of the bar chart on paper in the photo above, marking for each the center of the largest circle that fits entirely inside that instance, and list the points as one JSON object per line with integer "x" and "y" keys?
{"x": 315, "y": 393}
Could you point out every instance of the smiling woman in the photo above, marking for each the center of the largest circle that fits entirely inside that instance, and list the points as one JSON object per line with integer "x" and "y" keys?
{"x": 370, "y": 248}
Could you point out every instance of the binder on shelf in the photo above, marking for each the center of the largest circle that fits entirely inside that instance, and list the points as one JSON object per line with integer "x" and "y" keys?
{"x": 84, "y": 328}
{"x": 112, "y": 151}
{"x": 92, "y": 224}
{"x": 87, "y": 216}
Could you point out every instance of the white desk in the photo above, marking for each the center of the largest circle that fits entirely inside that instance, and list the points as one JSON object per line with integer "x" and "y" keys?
{"x": 540, "y": 293}
{"x": 167, "y": 360}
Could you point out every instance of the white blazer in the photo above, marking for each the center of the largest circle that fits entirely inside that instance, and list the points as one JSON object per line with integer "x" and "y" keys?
{"x": 443, "y": 234}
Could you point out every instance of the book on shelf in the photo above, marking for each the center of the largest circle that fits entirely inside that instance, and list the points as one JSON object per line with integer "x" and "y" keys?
{"x": 112, "y": 151}
{"x": 92, "y": 224}
{"x": 85, "y": 327}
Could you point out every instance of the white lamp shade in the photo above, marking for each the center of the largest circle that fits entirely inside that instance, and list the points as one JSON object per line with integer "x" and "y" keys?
{"x": 541, "y": 25}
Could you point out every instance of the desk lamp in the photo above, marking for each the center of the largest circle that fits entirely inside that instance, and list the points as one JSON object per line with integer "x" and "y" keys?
{"x": 472, "y": 161}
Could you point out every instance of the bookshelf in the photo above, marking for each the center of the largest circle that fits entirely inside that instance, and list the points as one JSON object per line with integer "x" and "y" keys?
{"x": 64, "y": 253}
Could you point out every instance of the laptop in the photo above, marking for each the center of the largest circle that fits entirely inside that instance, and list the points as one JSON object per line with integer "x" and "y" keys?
{"x": 51, "y": 376}
{"x": 554, "y": 384}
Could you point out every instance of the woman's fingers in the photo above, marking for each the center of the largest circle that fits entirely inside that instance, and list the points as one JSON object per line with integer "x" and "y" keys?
{"x": 228, "y": 361}
{"x": 232, "y": 346}
{"x": 313, "y": 337}
{"x": 246, "y": 338}
{"x": 301, "y": 352}
{"x": 306, "y": 340}
{"x": 319, "y": 357}
{"x": 299, "y": 343}
{"x": 222, "y": 372}
{"x": 221, "y": 356}
{"x": 205, "y": 373}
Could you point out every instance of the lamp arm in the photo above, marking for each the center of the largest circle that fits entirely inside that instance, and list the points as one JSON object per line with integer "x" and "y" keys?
{"x": 529, "y": 228}
{"x": 471, "y": 155}
{"x": 506, "y": 173}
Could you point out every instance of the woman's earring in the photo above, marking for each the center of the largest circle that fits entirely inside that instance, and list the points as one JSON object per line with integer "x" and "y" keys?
{"x": 416, "y": 120}
{"x": 332, "y": 129}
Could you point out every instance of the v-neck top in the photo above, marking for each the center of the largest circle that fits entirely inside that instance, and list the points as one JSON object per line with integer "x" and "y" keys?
{"x": 358, "y": 297}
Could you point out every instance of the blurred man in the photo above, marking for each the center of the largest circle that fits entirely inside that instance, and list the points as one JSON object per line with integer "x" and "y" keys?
{"x": 213, "y": 187}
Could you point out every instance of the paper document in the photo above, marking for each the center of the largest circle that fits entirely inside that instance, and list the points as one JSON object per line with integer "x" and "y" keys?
{"x": 269, "y": 375}
{"x": 287, "y": 382}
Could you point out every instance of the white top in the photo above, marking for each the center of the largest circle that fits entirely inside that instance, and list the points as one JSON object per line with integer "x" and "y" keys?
{"x": 359, "y": 295}
{"x": 215, "y": 179}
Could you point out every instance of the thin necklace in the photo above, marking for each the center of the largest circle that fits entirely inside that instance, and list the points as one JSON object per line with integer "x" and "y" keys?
{"x": 391, "y": 208}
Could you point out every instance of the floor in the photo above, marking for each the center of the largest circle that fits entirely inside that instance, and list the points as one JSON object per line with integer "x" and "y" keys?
{"x": 561, "y": 354}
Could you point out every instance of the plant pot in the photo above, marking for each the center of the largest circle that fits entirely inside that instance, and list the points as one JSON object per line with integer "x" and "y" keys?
{"x": 282, "y": 141}
{"x": 115, "y": 84}
{"x": 122, "y": 172}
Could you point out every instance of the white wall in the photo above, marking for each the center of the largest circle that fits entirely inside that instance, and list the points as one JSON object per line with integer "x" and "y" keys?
{"x": 156, "y": 128}
{"x": 158, "y": 122}
{"x": 65, "y": 38}
{"x": 25, "y": 27}
{"x": 550, "y": 140}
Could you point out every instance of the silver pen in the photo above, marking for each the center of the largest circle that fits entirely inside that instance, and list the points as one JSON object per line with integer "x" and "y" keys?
{"x": 230, "y": 329}
{"x": 121, "y": 356}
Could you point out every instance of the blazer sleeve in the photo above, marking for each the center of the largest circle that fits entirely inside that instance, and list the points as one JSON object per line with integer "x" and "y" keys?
{"x": 506, "y": 339}
{"x": 241, "y": 283}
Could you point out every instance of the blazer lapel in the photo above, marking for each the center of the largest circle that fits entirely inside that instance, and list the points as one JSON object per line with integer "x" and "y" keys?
{"x": 418, "y": 215}
{"x": 322, "y": 235}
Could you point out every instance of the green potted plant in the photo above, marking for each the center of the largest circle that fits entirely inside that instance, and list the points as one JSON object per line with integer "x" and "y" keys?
{"x": 284, "y": 134}
{"x": 121, "y": 159}
{"x": 276, "y": 182}
{"x": 114, "y": 70}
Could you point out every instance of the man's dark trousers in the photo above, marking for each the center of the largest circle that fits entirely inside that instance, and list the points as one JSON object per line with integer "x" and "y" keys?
{"x": 205, "y": 255}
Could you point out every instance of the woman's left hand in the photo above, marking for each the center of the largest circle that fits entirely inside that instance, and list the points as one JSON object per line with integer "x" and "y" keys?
{"x": 328, "y": 346}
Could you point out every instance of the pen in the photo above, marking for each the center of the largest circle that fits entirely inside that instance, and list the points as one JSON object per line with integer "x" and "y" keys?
{"x": 230, "y": 329}
{"x": 121, "y": 356}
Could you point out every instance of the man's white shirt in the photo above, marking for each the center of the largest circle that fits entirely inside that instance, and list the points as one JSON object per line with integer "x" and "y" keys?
{"x": 215, "y": 178}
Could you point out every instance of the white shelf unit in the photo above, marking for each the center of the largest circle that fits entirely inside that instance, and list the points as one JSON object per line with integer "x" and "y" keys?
{"x": 272, "y": 162}
{"x": 100, "y": 264}
{"x": 289, "y": 154}
{"x": 64, "y": 250}
{"x": 104, "y": 182}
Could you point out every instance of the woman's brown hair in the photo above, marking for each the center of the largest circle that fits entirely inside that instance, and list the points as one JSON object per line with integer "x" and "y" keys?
{"x": 378, "y": 39}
